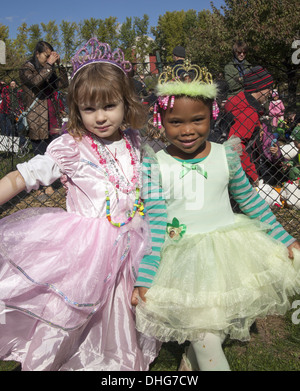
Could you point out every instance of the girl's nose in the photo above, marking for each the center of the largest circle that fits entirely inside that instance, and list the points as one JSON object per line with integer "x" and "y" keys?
{"x": 100, "y": 115}
{"x": 187, "y": 130}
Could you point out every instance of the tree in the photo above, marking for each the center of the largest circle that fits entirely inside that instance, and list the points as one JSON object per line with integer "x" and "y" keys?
{"x": 20, "y": 43}
{"x": 69, "y": 31}
{"x": 128, "y": 38}
{"x": 142, "y": 40}
{"x": 169, "y": 33}
{"x": 176, "y": 29}
{"x": 88, "y": 29}
{"x": 104, "y": 30}
{"x": 4, "y": 32}
{"x": 108, "y": 31}
{"x": 35, "y": 35}
{"x": 52, "y": 34}
{"x": 209, "y": 44}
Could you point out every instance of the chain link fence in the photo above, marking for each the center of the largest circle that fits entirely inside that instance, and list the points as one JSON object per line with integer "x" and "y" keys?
{"x": 273, "y": 160}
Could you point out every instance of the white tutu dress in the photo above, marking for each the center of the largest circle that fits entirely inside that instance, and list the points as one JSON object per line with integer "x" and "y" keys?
{"x": 219, "y": 271}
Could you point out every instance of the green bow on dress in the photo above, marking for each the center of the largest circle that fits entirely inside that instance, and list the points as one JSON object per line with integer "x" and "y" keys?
{"x": 187, "y": 167}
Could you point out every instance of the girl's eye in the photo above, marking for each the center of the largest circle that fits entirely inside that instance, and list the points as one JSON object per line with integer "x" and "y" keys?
{"x": 88, "y": 109}
{"x": 110, "y": 106}
{"x": 197, "y": 120}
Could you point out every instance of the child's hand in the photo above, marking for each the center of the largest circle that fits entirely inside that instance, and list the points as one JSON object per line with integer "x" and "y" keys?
{"x": 138, "y": 293}
{"x": 295, "y": 245}
{"x": 274, "y": 149}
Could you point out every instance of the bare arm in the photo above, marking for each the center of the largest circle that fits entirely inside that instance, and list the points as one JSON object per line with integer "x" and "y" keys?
{"x": 11, "y": 185}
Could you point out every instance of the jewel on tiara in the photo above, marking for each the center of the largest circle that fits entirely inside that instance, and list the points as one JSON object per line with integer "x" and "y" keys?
{"x": 94, "y": 51}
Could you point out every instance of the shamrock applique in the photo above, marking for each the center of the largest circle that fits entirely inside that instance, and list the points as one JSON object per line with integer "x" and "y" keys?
{"x": 176, "y": 230}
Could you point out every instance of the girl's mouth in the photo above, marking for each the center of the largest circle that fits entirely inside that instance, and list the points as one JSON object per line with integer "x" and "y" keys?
{"x": 188, "y": 143}
{"x": 102, "y": 129}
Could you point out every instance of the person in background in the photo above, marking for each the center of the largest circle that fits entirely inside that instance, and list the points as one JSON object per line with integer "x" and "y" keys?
{"x": 247, "y": 107}
{"x": 40, "y": 82}
{"x": 11, "y": 107}
{"x": 178, "y": 58}
{"x": 235, "y": 70}
{"x": 138, "y": 83}
{"x": 276, "y": 108}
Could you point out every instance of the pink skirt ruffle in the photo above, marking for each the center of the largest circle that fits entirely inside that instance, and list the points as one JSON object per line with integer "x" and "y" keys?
{"x": 65, "y": 288}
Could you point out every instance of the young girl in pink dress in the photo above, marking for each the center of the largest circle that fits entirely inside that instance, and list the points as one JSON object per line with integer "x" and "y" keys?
{"x": 67, "y": 276}
{"x": 276, "y": 108}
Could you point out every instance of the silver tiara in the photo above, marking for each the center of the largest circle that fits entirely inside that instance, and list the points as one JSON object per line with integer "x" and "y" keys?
{"x": 94, "y": 51}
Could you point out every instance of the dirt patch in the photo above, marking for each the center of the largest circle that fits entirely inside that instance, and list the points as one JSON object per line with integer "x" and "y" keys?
{"x": 57, "y": 200}
{"x": 270, "y": 328}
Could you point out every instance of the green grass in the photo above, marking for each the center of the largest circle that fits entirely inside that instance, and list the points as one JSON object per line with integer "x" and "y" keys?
{"x": 9, "y": 366}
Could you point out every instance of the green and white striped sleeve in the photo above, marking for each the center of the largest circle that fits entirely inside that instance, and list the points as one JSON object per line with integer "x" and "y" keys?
{"x": 156, "y": 210}
{"x": 255, "y": 207}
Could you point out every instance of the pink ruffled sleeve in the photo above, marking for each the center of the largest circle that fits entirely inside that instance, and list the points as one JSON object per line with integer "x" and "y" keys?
{"x": 64, "y": 151}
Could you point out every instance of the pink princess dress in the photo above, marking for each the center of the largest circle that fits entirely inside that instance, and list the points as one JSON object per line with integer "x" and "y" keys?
{"x": 276, "y": 111}
{"x": 66, "y": 277}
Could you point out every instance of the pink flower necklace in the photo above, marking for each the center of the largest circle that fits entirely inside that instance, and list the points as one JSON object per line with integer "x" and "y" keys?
{"x": 118, "y": 179}
{"x": 113, "y": 171}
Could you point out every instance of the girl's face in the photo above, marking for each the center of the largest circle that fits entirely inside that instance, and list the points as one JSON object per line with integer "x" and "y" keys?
{"x": 187, "y": 126}
{"x": 103, "y": 120}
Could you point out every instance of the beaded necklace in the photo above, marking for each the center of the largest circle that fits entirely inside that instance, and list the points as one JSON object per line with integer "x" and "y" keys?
{"x": 118, "y": 179}
{"x": 112, "y": 171}
{"x": 138, "y": 205}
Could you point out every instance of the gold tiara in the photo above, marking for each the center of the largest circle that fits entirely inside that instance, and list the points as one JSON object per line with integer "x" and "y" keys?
{"x": 180, "y": 71}
{"x": 186, "y": 79}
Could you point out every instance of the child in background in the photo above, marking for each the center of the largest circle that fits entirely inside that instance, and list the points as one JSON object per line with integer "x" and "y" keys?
{"x": 218, "y": 271}
{"x": 276, "y": 109}
{"x": 67, "y": 276}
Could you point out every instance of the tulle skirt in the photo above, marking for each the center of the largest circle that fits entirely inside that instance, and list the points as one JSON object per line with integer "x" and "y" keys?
{"x": 219, "y": 282}
{"x": 65, "y": 289}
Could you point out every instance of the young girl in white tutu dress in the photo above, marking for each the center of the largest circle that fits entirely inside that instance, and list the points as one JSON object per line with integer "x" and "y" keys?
{"x": 66, "y": 277}
{"x": 218, "y": 271}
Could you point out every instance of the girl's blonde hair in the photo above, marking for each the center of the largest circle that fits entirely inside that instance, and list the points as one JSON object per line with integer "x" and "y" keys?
{"x": 102, "y": 83}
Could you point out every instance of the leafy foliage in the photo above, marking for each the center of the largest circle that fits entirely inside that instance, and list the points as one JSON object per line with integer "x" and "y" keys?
{"x": 269, "y": 27}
